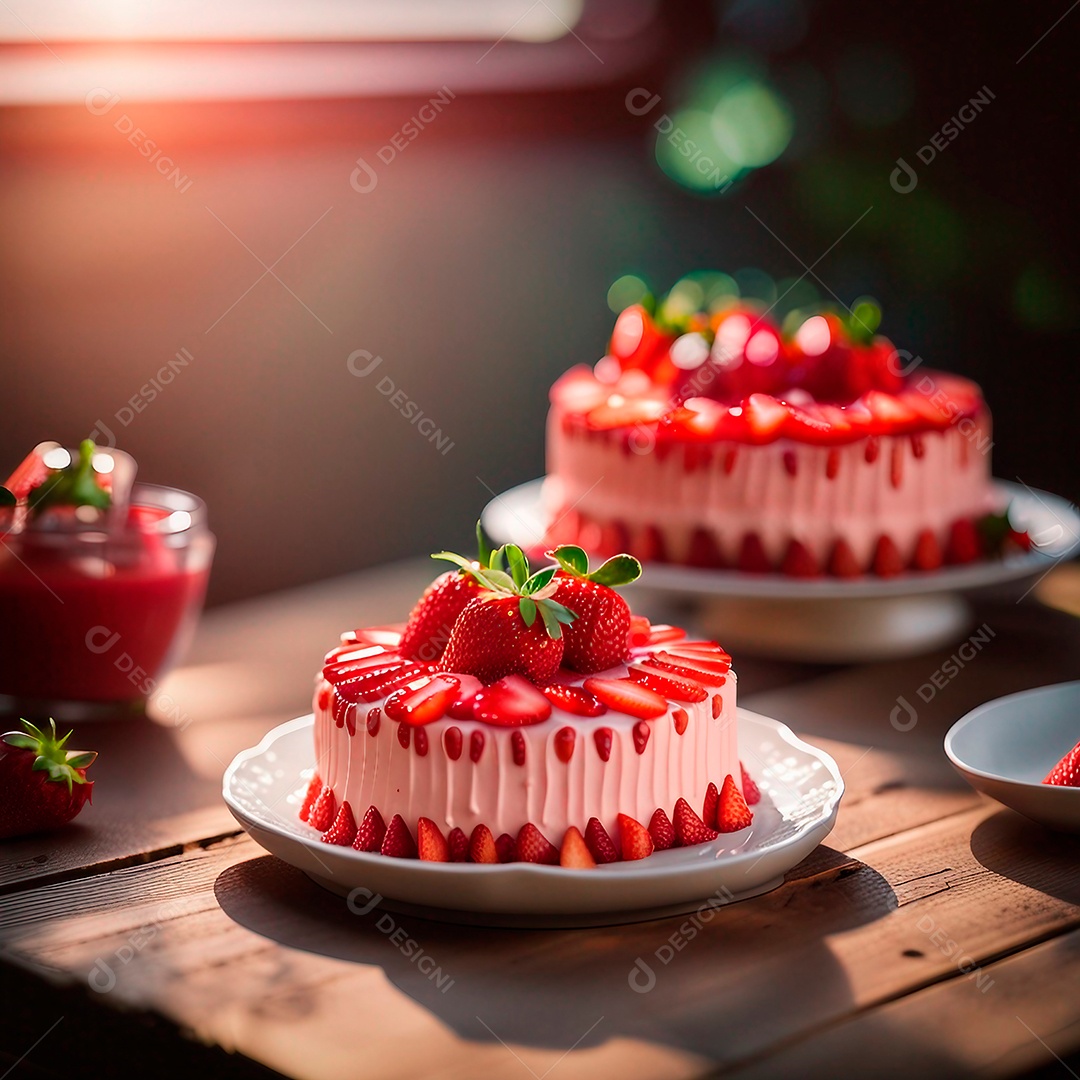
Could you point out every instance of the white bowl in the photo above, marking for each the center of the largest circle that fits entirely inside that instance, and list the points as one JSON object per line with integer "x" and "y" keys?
{"x": 1005, "y": 747}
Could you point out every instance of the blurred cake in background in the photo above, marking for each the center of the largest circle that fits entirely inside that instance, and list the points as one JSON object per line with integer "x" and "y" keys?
{"x": 712, "y": 435}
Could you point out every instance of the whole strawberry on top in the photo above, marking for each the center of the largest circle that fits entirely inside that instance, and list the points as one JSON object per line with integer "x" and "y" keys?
{"x": 513, "y": 626}
{"x": 428, "y": 630}
{"x": 599, "y": 638}
{"x": 44, "y": 784}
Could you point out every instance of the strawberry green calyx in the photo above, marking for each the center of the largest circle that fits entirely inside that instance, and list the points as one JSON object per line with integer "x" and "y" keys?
{"x": 616, "y": 571}
{"x": 50, "y": 754}
{"x": 508, "y": 574}
{"x": 74, "y": 485}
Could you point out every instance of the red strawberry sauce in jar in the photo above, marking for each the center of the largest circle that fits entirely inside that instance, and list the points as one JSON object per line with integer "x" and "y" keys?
{"x": 96, "y": 605}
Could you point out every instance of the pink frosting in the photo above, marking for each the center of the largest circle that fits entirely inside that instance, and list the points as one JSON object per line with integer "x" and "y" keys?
{"x": 898, "y": 485}
{"x": 376, "y": 770}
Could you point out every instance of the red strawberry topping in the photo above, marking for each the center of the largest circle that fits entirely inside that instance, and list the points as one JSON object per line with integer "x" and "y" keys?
{"x": 599, "y": 636}
{"x": 431, "y": 845}
{"x": 689, "y": 828}
{"x": 751, "y": 792}
{"x": 733, "y": 813}
{"x": 532, "y": 846}
{"x": 661, "y": 830}
{"x": 343, "y": 831}
{"x": 458, "y": 843}
{"x": 423, "y": 701}
{"x": 506, "y": 848}
{"x": 324, "y": 811}
{"x": 369, "y": 836}
{"x": 574, "y": 854}
{"x": 601, "y": 846}
{"x": 887, "y": 559}
{"x": 635, "y": 841}
{"x": 428, "y": 629}
{"x": 964, "y": 545}
{"x": 752, "y": 556}
{"x": 666, "y": 684}
{"x": 627, "y": 696}
{"x": 398, "y": 842}
{"x": 927, "y": 552}
{"x": 511, "y": 702}
{"x": 314, "y": 789}
{"x": 573, "y": 699}
{"x": 452, "y": 742}
{"x": 708, "y": 811}
{"x": 842, "y": 561}
{"x": 1066, "y": 773}
{"x": 491, "y": 640}
{"x": 482, "y": 846}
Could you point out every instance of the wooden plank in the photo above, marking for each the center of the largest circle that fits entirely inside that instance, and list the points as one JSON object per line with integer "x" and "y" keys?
{"x": 248, "y": 954}
{"x": 997, "y": 1020}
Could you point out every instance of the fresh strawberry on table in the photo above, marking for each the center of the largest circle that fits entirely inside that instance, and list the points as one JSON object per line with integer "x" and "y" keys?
{"x": 514, "y": 625}
{"x": 599, "y": 638}
{"x": 431, "y": 620}
{"x": 1066, "y": 773}
{"x": 43, "y": 783}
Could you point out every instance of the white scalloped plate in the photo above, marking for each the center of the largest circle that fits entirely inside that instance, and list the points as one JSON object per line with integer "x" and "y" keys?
{"x": 518, "y": 515}
{"x": 801, "y": 789}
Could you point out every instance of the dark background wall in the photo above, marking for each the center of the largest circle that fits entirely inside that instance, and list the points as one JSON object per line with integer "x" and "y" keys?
{"x": 478, "y": 266}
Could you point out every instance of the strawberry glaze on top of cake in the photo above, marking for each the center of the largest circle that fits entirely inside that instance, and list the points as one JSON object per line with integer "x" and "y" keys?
{"x": 723, "y": 443}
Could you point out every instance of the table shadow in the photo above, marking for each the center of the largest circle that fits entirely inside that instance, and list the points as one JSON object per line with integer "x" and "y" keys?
{"x": 1013, "y": 846}
{"x": 724, "y": 984}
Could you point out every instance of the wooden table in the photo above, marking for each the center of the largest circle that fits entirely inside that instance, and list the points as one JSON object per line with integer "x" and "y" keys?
{"x": 936, "y": 933}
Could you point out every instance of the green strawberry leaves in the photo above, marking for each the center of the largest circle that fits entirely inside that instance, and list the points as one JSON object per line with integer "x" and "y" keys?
{"x": 50, "y": 756}
{"x": 75, "y": 485}
{"x": 507, "y": 573}
{"x": 618, "y": 570}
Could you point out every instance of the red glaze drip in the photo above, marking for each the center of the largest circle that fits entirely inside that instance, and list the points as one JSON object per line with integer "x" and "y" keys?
{"x": 717, "y": 706}
{"x": 452, "y": 742}
{"x": 404, "y": 734}
{"x": 340, "y": 708}
{"x": 791, "y": 464}
{"x": 730, "y": 457}
{"x": 564, "y": 743}
{"x": 323, "y": 700}
{"x": 374, "y": 719}
{"x": 350, "y": 719}
{"x": 681, "y": 719}
{"x": 896, "y": 465}
{"x": 832, "y": 464}
{"x": 918, "y": 447}
{"x": 641, "y": 736}
{"x": 873, "y": 448}
{"x": 602, "y": 738}
{"x": 476, "y": 746}
{"x": 517, "y": 747}
{"x": 420, "y": 742}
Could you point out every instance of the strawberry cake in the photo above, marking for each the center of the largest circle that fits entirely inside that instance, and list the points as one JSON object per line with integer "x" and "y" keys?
{"x": 521, "y": 716}
{"x": 710, "y": 438}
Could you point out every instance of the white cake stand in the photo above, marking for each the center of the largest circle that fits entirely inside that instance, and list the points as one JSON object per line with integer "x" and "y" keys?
{"x": 830, "y": 619}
